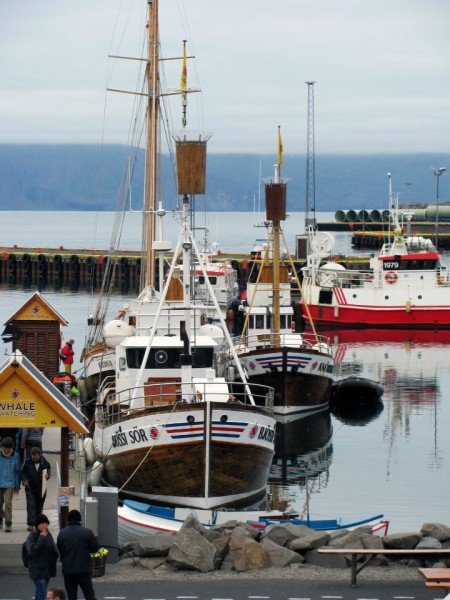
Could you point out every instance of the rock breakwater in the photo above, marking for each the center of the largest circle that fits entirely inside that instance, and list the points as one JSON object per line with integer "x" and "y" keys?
{"x": 235, "y": 546}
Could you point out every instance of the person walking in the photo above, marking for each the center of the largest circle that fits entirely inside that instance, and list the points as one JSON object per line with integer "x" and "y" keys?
{"x": 75, "y": 544}
{"x": 31, "y": 438}
{"x": 67, "y": 355}
{"x": 55, "y": 593}
{"x": 35, "y": 472}
{"x": 9, "y": 480}
{"x": 42, "y": 557}
{"x": 9, "y": 432}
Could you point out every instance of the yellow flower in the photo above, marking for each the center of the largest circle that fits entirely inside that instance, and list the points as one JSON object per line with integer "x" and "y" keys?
{"x": 100, "y": 552}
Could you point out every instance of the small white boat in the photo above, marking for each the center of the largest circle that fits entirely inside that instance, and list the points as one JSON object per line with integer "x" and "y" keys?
{"x": 137, "y": 519}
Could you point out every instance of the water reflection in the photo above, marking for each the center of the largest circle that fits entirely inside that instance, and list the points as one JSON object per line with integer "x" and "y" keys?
{"x": 360, "y": 414}
{"x": 407, "y": 364}
{"x": 404, "y": 362}
{"x": 302, "y": 448}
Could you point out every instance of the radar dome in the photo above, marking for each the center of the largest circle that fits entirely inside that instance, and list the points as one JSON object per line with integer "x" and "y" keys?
{"x": 211, "y": 331}
{"x": 116, "y": 331}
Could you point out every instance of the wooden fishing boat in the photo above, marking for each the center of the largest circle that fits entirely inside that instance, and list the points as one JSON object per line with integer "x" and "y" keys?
{"x": 167, "y": 428}
{"x": 298, "y": 366}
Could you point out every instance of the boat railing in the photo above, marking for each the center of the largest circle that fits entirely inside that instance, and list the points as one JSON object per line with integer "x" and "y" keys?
{"x": 330, "y": 279}
{"x": 347, "y": 279}
{"x": 117, "y": 406}
{"x": 305, "y": 340}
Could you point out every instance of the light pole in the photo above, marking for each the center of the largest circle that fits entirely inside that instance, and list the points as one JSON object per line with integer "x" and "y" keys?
{"x": 438, "y": 172}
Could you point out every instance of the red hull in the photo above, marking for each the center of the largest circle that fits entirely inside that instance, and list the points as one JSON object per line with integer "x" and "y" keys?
{"x": 383, "y": 336}
{"x": 367, "y": 317}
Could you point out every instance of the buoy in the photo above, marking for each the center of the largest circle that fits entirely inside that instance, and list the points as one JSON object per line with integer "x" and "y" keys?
{"x": 95, "y": 475}
{"x": 391, "y": 277}
{"x": 89, "y": 451}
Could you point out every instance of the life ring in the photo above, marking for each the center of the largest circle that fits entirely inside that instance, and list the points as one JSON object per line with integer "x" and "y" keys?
{"x": 391, "y": 277}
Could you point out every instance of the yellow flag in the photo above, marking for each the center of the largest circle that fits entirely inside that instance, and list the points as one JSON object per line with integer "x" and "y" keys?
{"x": 183, "y": 84}
{"x": 280, "y": 148}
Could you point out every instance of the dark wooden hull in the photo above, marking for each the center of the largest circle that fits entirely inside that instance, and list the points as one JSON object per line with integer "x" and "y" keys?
{"x": 301, "y": 378}
{"x": 206, "y": 471}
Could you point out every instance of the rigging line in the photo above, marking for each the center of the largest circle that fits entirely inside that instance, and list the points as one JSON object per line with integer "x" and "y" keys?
{"x": 121, "y": 37}
{"x": 188, "y": 36}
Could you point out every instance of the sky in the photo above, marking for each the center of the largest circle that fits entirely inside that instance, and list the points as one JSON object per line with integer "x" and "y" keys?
{"x": 381, "y": 67}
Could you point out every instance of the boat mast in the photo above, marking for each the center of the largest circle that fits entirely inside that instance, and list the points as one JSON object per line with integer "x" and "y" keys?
{"x": 276, "y": 212}
{"x": 276, "y": 266}
{"x": 148, "y": 276}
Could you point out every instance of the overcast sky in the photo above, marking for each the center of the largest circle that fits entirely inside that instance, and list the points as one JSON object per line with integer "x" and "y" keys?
{"x": 381, "y": 67}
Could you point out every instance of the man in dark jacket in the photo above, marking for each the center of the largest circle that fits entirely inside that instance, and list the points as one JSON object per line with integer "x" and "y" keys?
{"x": 35, "y": 472}
{"x": 42, "y": 557}
{"x": 75, "y": 544}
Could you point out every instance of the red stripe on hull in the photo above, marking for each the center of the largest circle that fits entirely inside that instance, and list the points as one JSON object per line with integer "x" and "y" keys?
{"x": 351, "y": 316}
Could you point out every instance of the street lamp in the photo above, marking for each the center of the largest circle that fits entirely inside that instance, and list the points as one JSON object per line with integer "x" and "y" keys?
{"x": 438, "y": 172}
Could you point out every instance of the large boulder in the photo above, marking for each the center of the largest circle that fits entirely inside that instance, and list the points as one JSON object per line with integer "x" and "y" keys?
{"x": 429, "y": 543}
{"x": 435, "y": 530}
{"x": 283, "y": 533}
{"x": 191, "y": 550}
{"x": 310, "y": 542}
{"x": 407, "y": 541}
{"x": 329, "y": 561}
{"x": 222, "y": 546}
{"x": 371, "y": 542}
{"x": 247, "y": 554}
{"x": 230, "y": 526}
{"x": 279, "y": 556}
{"x": 156, "y": 544}
{"x": 350, "y": 539}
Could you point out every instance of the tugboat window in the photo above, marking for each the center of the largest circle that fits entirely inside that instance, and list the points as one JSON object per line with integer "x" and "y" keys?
{"x": 259, "y": 321}
{"x": 168, "y": 358}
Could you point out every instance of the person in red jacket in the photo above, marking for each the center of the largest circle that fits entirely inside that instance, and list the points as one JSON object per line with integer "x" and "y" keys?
{"x": 67, "y": 355}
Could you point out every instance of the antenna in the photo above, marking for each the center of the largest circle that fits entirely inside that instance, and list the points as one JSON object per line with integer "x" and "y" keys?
{"x": 310, "y": 196}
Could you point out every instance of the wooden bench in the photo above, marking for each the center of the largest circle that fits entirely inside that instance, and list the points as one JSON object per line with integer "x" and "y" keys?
{"x": 369, "y": 553}
{"x": 437, "y": 578}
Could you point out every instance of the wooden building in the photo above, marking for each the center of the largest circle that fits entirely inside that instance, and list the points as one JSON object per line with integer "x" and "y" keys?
{"x": 35, "y": 330}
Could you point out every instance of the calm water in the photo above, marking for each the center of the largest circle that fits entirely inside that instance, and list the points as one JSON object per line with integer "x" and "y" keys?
{"x": 397, "y": 464}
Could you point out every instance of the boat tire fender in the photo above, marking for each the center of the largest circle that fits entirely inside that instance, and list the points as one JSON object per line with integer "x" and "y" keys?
{"x": 89, "y": 450}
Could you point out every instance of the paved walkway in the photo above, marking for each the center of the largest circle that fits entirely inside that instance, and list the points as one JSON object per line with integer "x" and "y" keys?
{"x": 11, "y": 542}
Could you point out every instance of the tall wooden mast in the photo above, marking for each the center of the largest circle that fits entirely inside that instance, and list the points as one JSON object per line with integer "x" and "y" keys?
{"x": 152, "y": 154}
{"x": 276, "y": 212}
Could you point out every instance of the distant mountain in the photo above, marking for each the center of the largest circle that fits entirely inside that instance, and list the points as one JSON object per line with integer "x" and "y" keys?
{"x": 86, "y": 177}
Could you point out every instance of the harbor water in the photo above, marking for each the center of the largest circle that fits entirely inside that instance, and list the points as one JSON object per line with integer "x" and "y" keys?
{"x": 396, "y": 462}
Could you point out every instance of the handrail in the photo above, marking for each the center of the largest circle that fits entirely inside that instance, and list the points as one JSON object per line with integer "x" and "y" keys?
{"x": 357, "y": 278}
{"x": 304, "y": 340}
{"x": 115, "y": 406}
